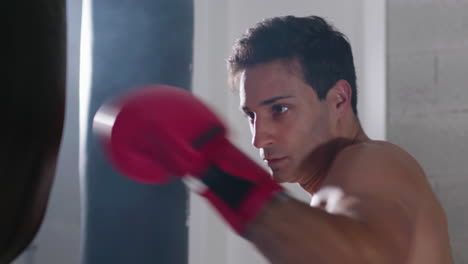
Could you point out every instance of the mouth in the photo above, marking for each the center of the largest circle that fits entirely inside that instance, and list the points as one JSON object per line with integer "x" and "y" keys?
{"x": 275, "y": 163}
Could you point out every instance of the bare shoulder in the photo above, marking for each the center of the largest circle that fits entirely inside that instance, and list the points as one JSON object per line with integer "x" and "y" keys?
{"x": 382, "y": 183}
{"x": 377, "y": 166}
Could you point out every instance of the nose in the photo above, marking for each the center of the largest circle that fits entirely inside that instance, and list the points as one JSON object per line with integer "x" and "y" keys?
{"x": 262, "y": 133}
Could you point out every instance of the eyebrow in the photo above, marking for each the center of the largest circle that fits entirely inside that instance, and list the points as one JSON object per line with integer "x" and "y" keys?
{"x": 274, "y": 99}
{"x": 269, "y": 101}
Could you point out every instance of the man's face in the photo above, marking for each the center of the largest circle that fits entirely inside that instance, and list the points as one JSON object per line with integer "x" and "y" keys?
{"x": 287, "y": 120}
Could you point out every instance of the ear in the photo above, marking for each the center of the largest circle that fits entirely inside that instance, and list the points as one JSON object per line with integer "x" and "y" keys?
{"x": 339, "y": 97}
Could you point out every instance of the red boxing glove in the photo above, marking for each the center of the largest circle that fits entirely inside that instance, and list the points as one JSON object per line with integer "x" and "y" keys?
{"x": 160, "y": 131}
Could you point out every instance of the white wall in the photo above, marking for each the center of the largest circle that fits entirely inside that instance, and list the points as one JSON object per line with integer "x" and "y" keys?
{"x": 217, "y": 24}
{"x": 427, "y": 107}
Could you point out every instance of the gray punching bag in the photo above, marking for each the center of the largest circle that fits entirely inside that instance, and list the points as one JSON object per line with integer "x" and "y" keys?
{"x": 135, "y": 42}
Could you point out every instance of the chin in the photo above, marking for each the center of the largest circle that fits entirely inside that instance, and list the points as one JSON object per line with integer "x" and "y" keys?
{"x": 280, "y": 176}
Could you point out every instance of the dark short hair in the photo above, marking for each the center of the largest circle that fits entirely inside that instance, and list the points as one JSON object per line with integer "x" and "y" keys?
{"x": 323, "y": 53}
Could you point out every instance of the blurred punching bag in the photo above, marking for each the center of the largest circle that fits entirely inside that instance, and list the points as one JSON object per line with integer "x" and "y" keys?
{"x": 33, "y": 96}
{"x": 134, "y": 42}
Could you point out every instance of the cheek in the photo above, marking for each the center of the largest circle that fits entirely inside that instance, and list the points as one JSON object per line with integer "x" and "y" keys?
{"x": 306, "y": 134}
{"x": 297, "y": 133}
{"x": 309, "y": 127}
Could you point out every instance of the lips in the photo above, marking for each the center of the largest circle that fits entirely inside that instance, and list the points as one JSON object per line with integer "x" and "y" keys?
{"x": 275, "y": 162}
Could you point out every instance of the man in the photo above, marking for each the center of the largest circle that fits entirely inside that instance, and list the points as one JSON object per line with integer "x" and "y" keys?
{"x": 371, "y": 202}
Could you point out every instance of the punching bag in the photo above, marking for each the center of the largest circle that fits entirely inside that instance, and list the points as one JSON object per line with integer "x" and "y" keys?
{"x": 33, "y": 96}
{"x": 134, "y": 42}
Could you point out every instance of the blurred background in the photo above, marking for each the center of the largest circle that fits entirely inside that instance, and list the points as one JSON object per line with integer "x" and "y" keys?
{"x": 411, "y": 60}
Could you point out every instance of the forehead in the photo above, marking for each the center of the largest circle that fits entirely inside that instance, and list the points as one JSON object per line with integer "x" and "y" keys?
{"x": 268, "y": 80}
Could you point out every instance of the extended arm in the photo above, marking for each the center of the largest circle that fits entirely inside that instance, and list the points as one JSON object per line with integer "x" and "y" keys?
{"x": 289, "y": 231}
{"x": 369, "y": 224}
{"x": 149, "y": 149}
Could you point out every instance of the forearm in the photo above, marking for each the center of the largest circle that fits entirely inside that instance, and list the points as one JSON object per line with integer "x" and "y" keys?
{"x": 289, "y": 231}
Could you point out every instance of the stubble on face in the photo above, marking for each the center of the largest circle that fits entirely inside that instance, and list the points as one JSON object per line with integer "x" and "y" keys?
{"x": 301, "y": 129}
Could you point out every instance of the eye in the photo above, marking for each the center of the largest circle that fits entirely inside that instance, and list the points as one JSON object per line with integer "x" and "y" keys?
{"x": 250, "y": 115}
{"x": 279, "y": 109}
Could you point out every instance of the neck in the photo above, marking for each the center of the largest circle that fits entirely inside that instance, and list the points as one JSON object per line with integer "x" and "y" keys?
{"x": 350, "y": 128}
{"x": 315, "y": 167}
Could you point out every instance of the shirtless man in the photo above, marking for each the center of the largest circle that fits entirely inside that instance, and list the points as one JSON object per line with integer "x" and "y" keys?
{"x": 371, "y": 202}
{"x": 297, "y": 87}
